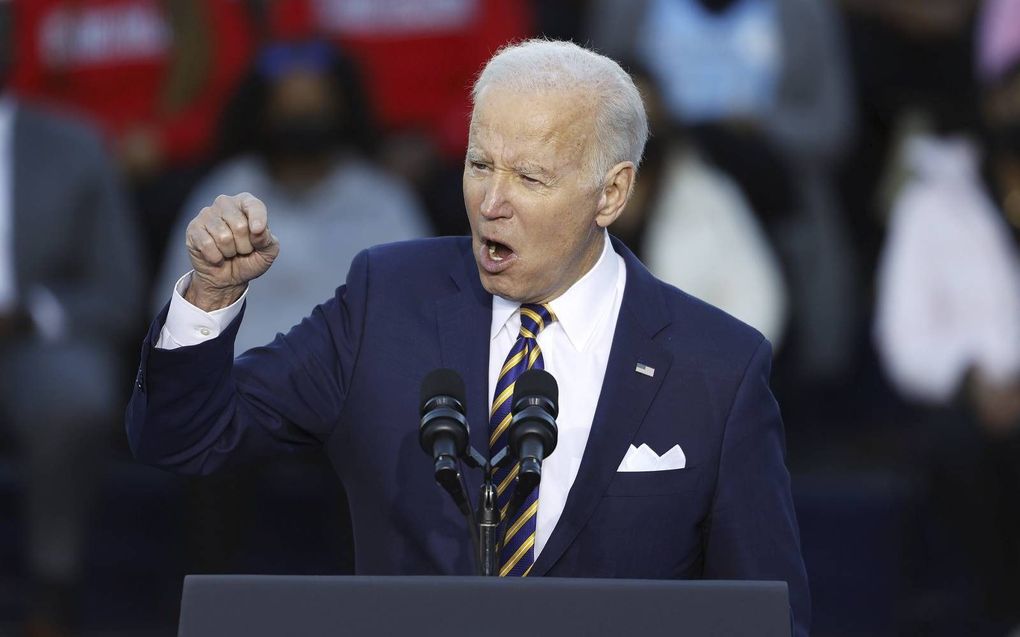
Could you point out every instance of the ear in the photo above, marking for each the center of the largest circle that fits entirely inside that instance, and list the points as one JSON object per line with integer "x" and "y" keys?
{"x": 618, "y": 185}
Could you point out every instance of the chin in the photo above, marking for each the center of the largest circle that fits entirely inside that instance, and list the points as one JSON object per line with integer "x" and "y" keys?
{"x": 493, "y": 285}
{"x": 499, "y": 286}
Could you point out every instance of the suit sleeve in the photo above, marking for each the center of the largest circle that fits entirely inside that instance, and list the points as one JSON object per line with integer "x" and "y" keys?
{"x": 752, "y": 531}
{"x": 195, "y": 408}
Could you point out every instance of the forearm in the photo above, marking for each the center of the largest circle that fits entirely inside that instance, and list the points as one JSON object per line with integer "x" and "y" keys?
{"x": 195, "y": 408}
{"x": 183, "y": 406}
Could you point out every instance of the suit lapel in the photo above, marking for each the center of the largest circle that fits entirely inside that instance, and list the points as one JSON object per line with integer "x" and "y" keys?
{"x": 464, "y": 319}
{"x": 623, "y": 403}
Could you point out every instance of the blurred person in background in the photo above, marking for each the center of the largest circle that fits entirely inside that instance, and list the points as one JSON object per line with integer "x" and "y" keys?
{"x": 418, "y": 58}
{"x": 299, "y": 135}
{"x": 908, "y": 56}
{"x": 948, "y": 313}
{"x": 154, "y": 74}
{"x": 70, "y": 290}
{"x": 694, "y": 228}
{"x": 999, "y": 70}
{"x": 763, "y": 88}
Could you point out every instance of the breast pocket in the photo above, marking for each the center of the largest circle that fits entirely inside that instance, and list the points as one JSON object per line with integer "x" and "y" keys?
{"x": 645, "y": 483}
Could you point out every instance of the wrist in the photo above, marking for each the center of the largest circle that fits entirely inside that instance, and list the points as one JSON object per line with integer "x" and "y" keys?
{"x": 209, "y": 298}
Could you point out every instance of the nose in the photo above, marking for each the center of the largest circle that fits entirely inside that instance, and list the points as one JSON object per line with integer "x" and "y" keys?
{"x": 495, "y": 203}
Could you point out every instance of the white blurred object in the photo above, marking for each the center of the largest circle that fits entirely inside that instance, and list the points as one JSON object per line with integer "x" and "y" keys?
{"x": 948, "y": 283}
{"x": 47, "y": 313}
{"x": 703, "y": 238}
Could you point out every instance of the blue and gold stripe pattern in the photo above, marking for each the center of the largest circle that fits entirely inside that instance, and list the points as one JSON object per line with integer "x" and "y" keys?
{"x": 518, "y": 553}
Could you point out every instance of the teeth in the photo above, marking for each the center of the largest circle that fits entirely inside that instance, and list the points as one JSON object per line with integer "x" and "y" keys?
{"x": 492, "y": 253}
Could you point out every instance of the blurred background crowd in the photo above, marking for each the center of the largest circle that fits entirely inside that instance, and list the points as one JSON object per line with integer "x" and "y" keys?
{"x": 842, "y": 174}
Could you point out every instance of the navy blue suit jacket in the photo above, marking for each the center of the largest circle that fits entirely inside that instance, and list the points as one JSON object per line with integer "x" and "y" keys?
{"x": 348, "y": 378}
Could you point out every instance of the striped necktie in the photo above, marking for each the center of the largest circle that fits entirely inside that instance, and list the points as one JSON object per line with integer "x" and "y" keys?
{"x": 519, "y": 550}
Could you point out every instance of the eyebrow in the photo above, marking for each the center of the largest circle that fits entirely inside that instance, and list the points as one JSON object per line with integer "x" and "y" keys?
{"x": 532, "y": 169}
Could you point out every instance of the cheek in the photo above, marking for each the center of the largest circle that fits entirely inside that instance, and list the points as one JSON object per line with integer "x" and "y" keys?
{"x": 553, "y": 236}
{"x": 472, "y": 196}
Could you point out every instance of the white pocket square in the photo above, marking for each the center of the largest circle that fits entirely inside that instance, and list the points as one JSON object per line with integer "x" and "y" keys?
{"x": 644, "y": 459}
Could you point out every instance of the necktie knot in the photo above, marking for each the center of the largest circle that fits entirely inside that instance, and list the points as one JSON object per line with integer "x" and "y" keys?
{"x": 534, "y": 318}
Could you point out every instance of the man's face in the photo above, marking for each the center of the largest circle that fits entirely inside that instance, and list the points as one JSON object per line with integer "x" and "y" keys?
{"x": 529, "y": 199}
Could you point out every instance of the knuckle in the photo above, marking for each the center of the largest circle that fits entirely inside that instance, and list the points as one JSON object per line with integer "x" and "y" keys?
{"x": 202, "y": 241}
{"x": 202, "y": 214}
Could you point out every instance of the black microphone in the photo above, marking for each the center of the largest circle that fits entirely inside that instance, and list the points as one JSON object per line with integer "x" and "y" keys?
{"x": 532, "y": 431}
{"x": 444, "y": 429}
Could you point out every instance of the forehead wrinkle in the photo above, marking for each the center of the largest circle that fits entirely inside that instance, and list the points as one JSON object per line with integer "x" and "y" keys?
{"x": 555, "y": 137}
{"x": 484, "y": 140}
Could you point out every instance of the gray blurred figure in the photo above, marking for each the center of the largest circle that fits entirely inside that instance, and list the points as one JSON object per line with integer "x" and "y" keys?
{"x": 764, "y": 87}
{"x": 70, "y": 290}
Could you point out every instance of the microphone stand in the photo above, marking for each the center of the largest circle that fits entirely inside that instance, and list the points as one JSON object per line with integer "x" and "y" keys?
{"x": 449, "y": 477}
{"x": 485, "y": 524}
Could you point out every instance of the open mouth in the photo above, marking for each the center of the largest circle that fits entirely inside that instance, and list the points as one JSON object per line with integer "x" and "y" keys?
{"x": 494, "y": 256}
{"x": 498, "y": 251}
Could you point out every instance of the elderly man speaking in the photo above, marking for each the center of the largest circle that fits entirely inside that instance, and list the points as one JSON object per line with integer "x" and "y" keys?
{"x": 670, "y": 462}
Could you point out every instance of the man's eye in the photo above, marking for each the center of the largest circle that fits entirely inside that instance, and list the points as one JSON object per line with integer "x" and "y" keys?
{"x": 530, "y": 180}
{"x": 477, "y": 165}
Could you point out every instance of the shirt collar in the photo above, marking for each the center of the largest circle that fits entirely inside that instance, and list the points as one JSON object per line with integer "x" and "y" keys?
{"x": 578, "y": 310}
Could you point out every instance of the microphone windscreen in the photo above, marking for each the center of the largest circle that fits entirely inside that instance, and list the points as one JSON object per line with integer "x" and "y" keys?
{"x": 536, "y": 382}
{"x": 442, "y": 382}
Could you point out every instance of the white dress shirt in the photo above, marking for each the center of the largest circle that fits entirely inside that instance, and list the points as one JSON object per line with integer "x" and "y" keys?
{"x": 575, "y": 350}
{"x": 187, "y": 325}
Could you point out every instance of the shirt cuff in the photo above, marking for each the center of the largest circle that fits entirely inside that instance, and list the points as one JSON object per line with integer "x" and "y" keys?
{"x": 187, "y": 325}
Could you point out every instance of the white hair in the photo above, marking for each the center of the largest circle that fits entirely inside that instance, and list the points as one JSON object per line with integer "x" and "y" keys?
{"x": 620, "y": 127}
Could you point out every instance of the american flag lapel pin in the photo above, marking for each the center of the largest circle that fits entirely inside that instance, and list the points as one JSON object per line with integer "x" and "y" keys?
{"x": 645, "y": 369}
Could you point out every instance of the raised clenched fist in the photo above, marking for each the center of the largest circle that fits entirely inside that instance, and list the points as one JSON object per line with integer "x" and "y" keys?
{"x": 229, "y": 244}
